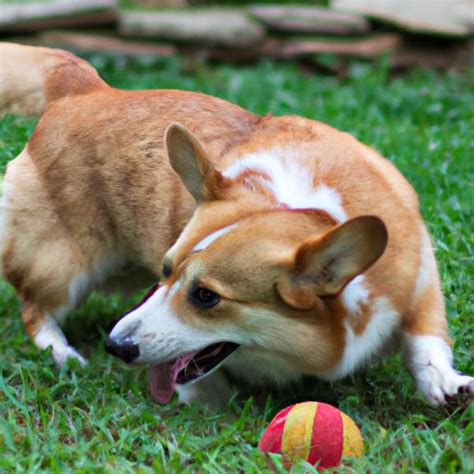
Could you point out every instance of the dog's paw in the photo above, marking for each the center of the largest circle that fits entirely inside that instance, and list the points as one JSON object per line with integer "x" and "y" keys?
{"x": 213, "y": 391}
{"x": 64, "y": 353}
{"x": 440, "y": 388}
{"x": 430, "y": 360}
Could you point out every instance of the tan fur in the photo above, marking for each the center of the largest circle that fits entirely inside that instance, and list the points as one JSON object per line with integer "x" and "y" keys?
{"x": 94, "y": 192}
{"x": 31, "y": 77}
{"x": 72, "y": 207}
{"x": 246, "y": 290}
{"x": 337, "y": 159}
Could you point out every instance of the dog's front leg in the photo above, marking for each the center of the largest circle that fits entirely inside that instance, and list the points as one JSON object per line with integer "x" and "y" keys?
{"x": 427, "y": 353}
{"x": 214, "y": 391}
{"x": 425, "y": 342}
{"x": 429, "y": 358}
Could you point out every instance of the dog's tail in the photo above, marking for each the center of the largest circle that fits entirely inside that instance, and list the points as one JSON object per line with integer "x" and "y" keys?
{"x": 33, "y": 77}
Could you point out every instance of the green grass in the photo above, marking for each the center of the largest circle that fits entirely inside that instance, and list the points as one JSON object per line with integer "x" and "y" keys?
{"x": 101, "y": 419}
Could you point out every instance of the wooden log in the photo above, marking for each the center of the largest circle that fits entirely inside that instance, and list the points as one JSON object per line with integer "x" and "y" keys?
{"x": 104, "y": 44}
{"x": 211, "y": 26}
{"x": 402, "y": 52}
{"x": 441, "y": 55}
{"x": 368, "y": 48}
{"x": 16, "y": 17}
{"x": 160, "y": 3}
{"x": 307, "y": 19}
{"x": 440, "y": 17}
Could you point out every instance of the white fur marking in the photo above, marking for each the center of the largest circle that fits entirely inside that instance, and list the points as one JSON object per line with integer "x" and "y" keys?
{"x": 212, "y": 238}
{"x": 429, "y": 359}
{"x": 51, "y": 335}
{"x": 355, "y": 294}
{"x": 175, "y": 287}
{"x": 290, "y": 182}
{"x": 213, "y": 390}
{"x": 188, "y": 393}
{"x": 359, "y": 348}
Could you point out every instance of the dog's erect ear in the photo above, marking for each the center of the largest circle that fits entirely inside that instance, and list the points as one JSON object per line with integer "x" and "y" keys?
{"x": 324, "y": 265}
{"x": 189, "y": 160}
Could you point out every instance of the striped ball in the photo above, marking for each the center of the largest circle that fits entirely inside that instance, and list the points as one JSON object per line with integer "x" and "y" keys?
{"x": 316, "y": 432}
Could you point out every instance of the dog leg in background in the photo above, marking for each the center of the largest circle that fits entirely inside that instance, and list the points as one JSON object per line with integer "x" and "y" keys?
{"x": 45, "y": 332}
{"x": 425, "y": 343}
{"x": 213, "y": 390}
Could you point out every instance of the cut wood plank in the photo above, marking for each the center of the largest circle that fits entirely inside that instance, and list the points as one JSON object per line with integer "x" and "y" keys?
{"x": 368, "y": 48}
{"x": 212, "y": 26}
{"x": 307, "y": 19}
{"x": 160, "y": 3}
{"x": 36, "y": 16}
{"x": 442, "y": 17}
{"x": 402, "y": 52}
{"x": 433, "y": 56}
{"x": 103, "y": 44}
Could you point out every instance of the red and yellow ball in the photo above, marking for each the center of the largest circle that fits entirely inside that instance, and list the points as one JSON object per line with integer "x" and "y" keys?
{"x": 317, "y": 432}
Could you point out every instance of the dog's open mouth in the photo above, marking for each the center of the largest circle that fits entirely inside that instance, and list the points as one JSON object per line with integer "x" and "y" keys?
{"x": 186, "y": 368}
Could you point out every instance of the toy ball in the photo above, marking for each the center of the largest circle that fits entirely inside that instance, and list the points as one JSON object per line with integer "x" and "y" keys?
{"x": 319, "y": 433}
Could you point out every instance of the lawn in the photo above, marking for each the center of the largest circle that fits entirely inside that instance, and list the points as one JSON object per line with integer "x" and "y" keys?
{"x": 102, "y": 419}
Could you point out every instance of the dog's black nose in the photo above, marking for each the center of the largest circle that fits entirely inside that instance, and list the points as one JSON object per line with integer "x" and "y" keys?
{"x": 126, "y": 350}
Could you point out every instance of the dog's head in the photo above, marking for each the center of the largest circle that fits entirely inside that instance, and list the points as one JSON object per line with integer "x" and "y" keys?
{"x": 244, "y": 276}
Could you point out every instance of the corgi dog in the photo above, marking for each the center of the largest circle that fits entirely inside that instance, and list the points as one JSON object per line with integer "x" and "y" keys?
{"x": 283, "y": 247}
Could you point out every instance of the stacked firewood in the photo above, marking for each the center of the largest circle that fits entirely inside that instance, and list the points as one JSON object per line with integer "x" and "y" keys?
{"x": 427, "y": 33}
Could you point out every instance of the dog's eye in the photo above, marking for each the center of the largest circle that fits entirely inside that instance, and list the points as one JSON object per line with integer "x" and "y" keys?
{"x": 203, "y": 297}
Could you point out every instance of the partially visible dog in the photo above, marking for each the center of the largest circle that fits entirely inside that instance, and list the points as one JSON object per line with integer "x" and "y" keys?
{"x": 303, "y": 251}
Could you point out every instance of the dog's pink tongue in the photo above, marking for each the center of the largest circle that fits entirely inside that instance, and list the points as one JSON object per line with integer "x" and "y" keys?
{"x": 161, "y": 382}
{"x": 162, "y": 377}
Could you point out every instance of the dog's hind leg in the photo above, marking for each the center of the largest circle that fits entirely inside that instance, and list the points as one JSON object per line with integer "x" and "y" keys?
{"x": 41, "y": 258}
{"x": 45, "y": 332}
{"x": 57, "y": 283}
{"x": 426, "y": 346}
{"x": 48, "y": 289}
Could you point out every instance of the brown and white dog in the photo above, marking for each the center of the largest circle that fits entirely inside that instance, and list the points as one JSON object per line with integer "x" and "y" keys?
{"x": 293, "y": 248}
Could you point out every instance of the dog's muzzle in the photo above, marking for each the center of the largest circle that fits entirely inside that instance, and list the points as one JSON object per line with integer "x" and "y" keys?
{"x": 127, "y": 351}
